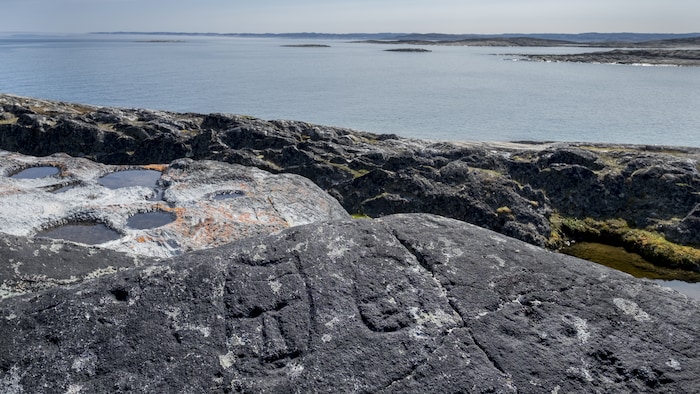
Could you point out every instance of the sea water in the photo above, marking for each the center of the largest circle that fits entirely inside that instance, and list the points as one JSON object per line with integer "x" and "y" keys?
{"x": 451, "y": 93}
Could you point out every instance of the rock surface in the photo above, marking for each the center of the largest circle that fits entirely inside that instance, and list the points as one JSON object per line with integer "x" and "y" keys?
{"x": 406, "y": 303}
{"x": 512, "y": 188}
{"x": 211, "y": 203}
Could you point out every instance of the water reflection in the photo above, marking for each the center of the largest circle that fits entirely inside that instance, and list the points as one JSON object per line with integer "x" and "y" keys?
{"x": 146, "y": 220}
{"x": 686, "y": 282}
{"x": 36, "y": 172}
{"x": 129, "y": 178}
{"x": 87, "y": 233}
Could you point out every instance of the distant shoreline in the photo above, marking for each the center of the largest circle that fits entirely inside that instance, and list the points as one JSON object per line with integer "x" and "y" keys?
{"x": 589, "y": 38}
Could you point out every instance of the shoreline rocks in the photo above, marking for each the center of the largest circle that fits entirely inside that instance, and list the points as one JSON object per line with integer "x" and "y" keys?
{"x": 657, "y": 57}
{"x": 522, "y": 190}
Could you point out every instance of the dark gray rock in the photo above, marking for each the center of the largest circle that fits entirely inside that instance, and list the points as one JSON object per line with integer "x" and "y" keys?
{"x": 510, "y": 188}
{"x": 407, "y": 303}
{"x": 687, "y": 231}
{"x": 30, "y": 265}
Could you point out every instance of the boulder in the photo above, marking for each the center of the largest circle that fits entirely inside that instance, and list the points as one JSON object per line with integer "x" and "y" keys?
{"x": 201, "y": 203}
{"x": 407, "y": 303}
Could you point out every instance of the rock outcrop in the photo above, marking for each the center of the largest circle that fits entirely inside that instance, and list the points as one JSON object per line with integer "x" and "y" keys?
{"x": 406, "y": 303}
{"x": 659, "y": 57}
{"x": 521, "y": 190}
{"x": 204, "y": 203}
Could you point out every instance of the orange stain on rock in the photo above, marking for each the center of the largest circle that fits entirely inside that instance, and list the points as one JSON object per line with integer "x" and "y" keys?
{"x": 156, "y": 167}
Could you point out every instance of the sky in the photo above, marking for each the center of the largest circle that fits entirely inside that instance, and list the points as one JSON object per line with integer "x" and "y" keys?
{"x": 345, "y": 16}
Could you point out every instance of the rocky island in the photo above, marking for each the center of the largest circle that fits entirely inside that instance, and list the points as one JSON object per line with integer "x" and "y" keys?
{"x": 306, "y": 46}
{"x": 418, "y": 50}
{"x": 262, "y": 282}
{"x": 669, "y": 52}
{"x": 658, "y": 57}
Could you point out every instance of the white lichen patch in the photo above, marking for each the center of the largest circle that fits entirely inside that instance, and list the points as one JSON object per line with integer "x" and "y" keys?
{"x": 331, "y": 323}
{"x": 339, "y": 247}
{"x": 500, "y": 263}
{"x": 101, "y": 272}
{"x": 74, "y": 389}
{"x": 438, "y": 317}
{"x": 674, "y": 364}
{"x": 10, "y": 383}
{"x": 294, "y": 369}
{"x": 174, "y": 315}
{"x": 275, "y": 285}
{"x": 85, "y": 363}
{"x": 326, "y": 337}
{"x": 581, "y": 327}
{"x": 7, "y": 292}
{"x": 227, "y": 360}
{"x": 205, "y": 331}
{"x": 631, "y": 308}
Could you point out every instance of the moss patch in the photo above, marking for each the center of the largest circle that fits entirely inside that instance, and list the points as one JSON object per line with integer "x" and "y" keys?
{"x": 11, "y": 120}
{"x": 345, "y": 168}
{"x": 618, "y": 258}
{"x": 651, "y": 245}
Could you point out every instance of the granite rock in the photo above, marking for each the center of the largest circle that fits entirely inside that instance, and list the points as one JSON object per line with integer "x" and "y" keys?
{"x": 209, "y": 203}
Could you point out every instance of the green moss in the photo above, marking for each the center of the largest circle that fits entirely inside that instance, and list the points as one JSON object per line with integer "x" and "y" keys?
{"x": 360, "y": 216}
{"x": 106, "y": 126}
{"x": 651, "y": 245}
{"x": 345, "y": 168}
{"x": 622, "y": 260}
{"x": 504, "y": 211}
{"x": 12, "y": 120}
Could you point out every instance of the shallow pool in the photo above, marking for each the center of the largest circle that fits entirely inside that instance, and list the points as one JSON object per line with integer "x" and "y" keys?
{"x": 36, "y": 172}
{"x": 88, "y": 233}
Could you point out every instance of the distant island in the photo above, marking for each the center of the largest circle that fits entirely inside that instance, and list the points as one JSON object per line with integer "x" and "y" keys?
{"x": 162, "y": 41}
{"x": 408, "y": 50}
{"x": 306, "y": 46}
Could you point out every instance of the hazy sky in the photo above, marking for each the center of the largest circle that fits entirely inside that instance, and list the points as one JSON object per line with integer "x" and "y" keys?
{"x": 277, "y": 16}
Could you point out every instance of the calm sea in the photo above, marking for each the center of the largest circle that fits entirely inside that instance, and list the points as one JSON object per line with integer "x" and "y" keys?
{"x": 452, "y": 93}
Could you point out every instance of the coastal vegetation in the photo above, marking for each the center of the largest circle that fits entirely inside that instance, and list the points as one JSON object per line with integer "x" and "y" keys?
{"x": 651, "y": 245}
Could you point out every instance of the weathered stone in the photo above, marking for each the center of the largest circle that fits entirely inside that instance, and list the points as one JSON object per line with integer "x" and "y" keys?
{"x": 30, "y": 265}
{"x": 406, "y": 303}
{"x": 687, "y": 231}
{"x": 259, "y": 202}
{"x": 649, "y": 187}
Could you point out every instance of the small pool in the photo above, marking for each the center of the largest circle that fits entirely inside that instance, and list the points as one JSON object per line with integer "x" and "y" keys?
{"x": 87, "y": 233}
{"x": 36, "y": 172}
{"x": 683, "y": 281}
{"x": 146, "y": 220}
{"x": 129, "y": 178}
